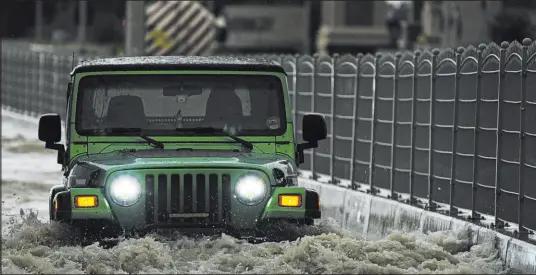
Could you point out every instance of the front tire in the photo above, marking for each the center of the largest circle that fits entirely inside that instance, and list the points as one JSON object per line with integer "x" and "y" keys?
{"x": 88, "y": 232}
{"x": 278, "y": 230}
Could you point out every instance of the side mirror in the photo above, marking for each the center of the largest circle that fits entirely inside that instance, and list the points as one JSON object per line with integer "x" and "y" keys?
{"x": 50, "y": 128}
{"x": 50, "y": 133}
{"x": 314, "y": 129}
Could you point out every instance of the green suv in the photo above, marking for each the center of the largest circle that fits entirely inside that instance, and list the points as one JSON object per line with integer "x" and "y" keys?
{"x": 201, "y": 145}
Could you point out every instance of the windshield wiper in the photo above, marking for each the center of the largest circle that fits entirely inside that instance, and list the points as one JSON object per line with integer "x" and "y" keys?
{"x": 136, "y": 131}
{"x": 211, "y": 130}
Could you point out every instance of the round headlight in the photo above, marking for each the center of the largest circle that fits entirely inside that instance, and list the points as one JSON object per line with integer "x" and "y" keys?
{"x": 125, "y": 190}
{"x": 250, "y": 189}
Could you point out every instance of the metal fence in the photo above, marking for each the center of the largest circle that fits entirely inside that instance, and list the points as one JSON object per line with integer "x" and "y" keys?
{"x": 35, "y": 82}
{"x": 451, "y": 131}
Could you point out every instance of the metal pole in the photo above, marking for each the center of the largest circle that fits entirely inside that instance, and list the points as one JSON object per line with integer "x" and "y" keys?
{"x": 39, "y": 20}
{"x": 135, "y": 28}
{"x": 307, "y": 27}
{"x": 82, "y": 14}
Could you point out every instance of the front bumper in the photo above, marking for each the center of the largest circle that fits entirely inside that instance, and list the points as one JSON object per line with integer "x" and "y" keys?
{"x": 157, "y": 213}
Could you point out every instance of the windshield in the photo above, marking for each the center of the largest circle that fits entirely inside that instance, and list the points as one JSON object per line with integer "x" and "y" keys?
{"x": 165, "y": 104}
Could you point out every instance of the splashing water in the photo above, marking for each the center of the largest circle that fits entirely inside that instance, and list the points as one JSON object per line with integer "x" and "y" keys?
{"x": 30, "y": 245}
{"x": 33, "y": 246}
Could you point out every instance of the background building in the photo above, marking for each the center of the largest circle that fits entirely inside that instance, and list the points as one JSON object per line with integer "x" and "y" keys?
{"x": 463, "y": 23}
{"x": 275, "y": 26}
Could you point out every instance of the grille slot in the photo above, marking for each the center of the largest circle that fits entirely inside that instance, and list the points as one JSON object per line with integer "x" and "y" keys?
{"x": 175, "y": 193}
{"x": 226, "y": 196}
{"x": 188, "y": 193}
{"x": 162, "y": 198}
{"x": 200, "y": 193}
{"x": 149, "y": 200}
{"x": 213, "y": 202}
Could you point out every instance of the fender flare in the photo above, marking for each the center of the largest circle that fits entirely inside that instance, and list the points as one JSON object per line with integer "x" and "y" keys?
{"x": 63, "y": 198}
{"x": 52, "y": 194}
{"x": 312, "y": 204}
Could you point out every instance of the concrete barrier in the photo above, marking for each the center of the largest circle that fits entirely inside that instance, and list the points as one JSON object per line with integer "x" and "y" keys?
{"x": 375, "y": 217}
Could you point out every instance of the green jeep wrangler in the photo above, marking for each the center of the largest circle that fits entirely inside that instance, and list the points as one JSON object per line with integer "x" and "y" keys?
{"x": 201, "y": 145}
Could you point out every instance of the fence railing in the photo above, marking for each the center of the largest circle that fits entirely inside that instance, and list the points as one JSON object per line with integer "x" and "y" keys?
{"x": 451, "y": 131}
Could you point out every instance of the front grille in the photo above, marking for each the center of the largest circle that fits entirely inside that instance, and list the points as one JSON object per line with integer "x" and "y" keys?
{"x": 170, "y": 195}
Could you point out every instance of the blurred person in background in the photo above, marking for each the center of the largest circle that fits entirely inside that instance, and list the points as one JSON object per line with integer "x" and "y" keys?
{"x": 397, "y": 16}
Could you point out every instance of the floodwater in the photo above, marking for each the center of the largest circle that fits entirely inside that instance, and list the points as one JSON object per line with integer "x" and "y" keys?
{"x": 30, "y": 244}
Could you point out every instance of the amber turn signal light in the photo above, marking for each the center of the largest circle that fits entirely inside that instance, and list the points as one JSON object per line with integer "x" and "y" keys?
{"x": 290, "y": 200}
{"x": 86, "y": 201}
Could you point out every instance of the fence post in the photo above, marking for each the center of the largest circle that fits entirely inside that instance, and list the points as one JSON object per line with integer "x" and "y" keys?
{"x": 34, "y": 74}
{"x": 295, "y": 96}
{"x": 476, "y": 134}
{"x": 521, "y": 196}
{"x": 394, "y": 127}
{"x": 34, "y": 77}
{"x": 453, "y": 211}
{"x": 36, "y": 87}
{"x": 314, "y": 176}
{"x": 62, "y": 87}
{"x": 431, "y": 204}
{"x": 55, "y": 83}
{"x": 27, "y": 83}
{"x": 498, "y": 155}
{"x": 355, "y": 120}
{"x": 15, "y": 78}
{"x": 416, "y": 56}
{"x": 24, "y": 79}
{"x": 29, "y": 86}
{"x": 294, "y": 100}
{"x": 7, "y": 90}
{"x": 40, "y": 94}
{"x": 333, "y": 122}
{"x": 372, "y": 157}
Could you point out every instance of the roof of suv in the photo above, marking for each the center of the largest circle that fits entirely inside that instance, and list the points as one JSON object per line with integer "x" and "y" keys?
{"x": 178, "y": 63}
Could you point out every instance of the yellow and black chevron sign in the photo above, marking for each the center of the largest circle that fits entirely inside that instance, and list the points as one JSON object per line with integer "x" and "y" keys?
{"x": 179, "y": 28}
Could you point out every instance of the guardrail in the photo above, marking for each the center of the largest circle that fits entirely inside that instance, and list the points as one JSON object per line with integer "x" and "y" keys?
{"x": 449, "y": 131}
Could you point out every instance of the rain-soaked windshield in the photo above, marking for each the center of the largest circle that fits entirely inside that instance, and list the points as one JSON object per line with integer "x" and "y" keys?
{"x": 169, "y": 104}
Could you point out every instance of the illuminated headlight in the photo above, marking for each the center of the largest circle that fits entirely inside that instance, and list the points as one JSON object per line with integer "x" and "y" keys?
{"x": 250, "y": 189}
{"x": 125, "y": 190}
